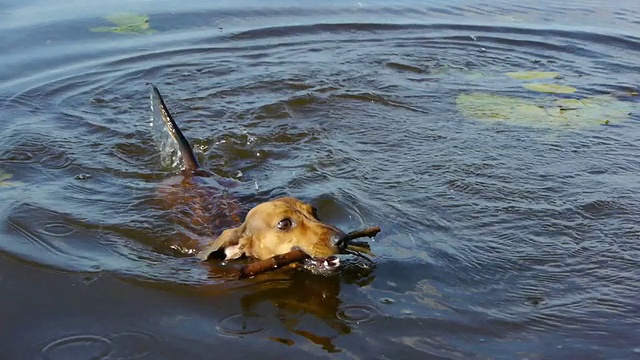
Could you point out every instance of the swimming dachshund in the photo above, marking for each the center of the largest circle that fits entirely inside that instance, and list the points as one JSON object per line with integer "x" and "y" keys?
{"x": 271, "y": 228}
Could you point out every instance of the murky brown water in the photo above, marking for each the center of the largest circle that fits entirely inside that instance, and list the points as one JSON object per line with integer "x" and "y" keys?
{"x": 499, "y": 240}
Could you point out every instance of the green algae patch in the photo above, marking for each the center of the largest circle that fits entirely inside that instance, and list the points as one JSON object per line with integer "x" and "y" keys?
{"x": 127, "y": 23}
{"x": 550, "y": 88}
{"x": 595, "y": 110}
{"x": 6, "y": 176}
{"x": 574, "y": 113}
{"x": 489, "y": 107}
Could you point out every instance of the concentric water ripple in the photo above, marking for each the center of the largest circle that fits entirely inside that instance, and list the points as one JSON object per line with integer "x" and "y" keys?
{"x": 357, "y": 313}
{"x": 238, "y": 325}
{"x": 78, "y": 347}
{"x": 124, "y": 345}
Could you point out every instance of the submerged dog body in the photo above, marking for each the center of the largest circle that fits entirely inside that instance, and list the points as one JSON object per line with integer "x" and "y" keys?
{"x": 270, "y": 228}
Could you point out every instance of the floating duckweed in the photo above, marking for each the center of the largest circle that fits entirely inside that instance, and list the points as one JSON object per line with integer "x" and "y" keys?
{"x": 489, "y": 107}
{"x": 550, "y": 88}
{"x": 591, "y": 111}
{"x": 6, "y": 176}
{"x": 127, "y": 23}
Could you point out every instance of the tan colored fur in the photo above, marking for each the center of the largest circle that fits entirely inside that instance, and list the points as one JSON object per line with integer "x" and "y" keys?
{"x": 259, "y": 236}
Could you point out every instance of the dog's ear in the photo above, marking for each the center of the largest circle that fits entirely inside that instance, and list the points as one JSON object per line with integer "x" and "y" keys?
{"x": 229, "y": 245}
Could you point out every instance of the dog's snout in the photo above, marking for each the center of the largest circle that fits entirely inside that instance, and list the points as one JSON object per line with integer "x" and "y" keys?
{"x": 339, "y": 239}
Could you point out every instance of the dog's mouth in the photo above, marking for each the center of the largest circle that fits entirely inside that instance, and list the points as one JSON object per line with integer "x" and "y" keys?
{"x": 322, "y": 265}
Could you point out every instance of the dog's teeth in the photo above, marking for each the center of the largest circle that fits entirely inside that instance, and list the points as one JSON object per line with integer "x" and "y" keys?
{"x": 326, "y": 263}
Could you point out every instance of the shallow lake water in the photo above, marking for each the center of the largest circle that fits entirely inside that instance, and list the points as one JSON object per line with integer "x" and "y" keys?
{"x": 509, "y": 215}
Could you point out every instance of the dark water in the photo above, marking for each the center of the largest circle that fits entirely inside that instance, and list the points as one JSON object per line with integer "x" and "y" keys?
{"x": 499, "y": 240}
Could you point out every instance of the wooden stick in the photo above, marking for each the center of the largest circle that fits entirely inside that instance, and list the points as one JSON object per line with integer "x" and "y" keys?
{"x": 278, "y": 261}
{"x": 368, "y": 232}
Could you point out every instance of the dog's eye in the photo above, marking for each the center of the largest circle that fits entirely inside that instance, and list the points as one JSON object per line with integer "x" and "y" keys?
{"x": 284, "y": 224}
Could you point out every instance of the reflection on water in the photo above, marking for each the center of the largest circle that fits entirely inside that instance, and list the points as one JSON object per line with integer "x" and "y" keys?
{"x": 500, "y": 240}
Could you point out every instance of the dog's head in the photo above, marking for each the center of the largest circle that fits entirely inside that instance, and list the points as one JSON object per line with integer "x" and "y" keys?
{"x": 277, "y": 227}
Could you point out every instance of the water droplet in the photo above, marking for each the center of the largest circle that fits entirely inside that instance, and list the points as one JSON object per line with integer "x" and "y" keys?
{"x": 98, "y": 100}
{"x": 77, "y": 347}
{"x": 240, "y": 325}
{"x": 58, "y": 229}
{"x": 534, "y": 300}
{"x": 357, "y": 313}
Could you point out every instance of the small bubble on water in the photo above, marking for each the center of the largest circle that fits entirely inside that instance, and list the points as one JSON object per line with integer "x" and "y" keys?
{"x": 98, "y": 100}
{"x": 82, "y": 177}
{"x": 387, "y": 301}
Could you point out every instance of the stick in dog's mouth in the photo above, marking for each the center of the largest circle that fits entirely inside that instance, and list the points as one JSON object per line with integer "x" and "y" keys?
{"x": 322, "y": 265}
{"x": 316, "y": 265}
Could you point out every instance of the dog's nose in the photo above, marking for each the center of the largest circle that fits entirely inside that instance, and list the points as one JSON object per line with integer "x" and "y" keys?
{"x": 339, "y": 239}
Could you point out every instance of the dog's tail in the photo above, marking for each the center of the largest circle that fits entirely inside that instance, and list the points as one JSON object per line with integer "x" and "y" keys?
{"x": 189, "y": 158}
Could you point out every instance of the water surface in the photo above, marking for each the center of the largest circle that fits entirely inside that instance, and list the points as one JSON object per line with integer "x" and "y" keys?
{"x": 500, "y": 240}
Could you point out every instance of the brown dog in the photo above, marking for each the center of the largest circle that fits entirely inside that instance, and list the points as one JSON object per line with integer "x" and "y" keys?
{"x": 271, "y": 228}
